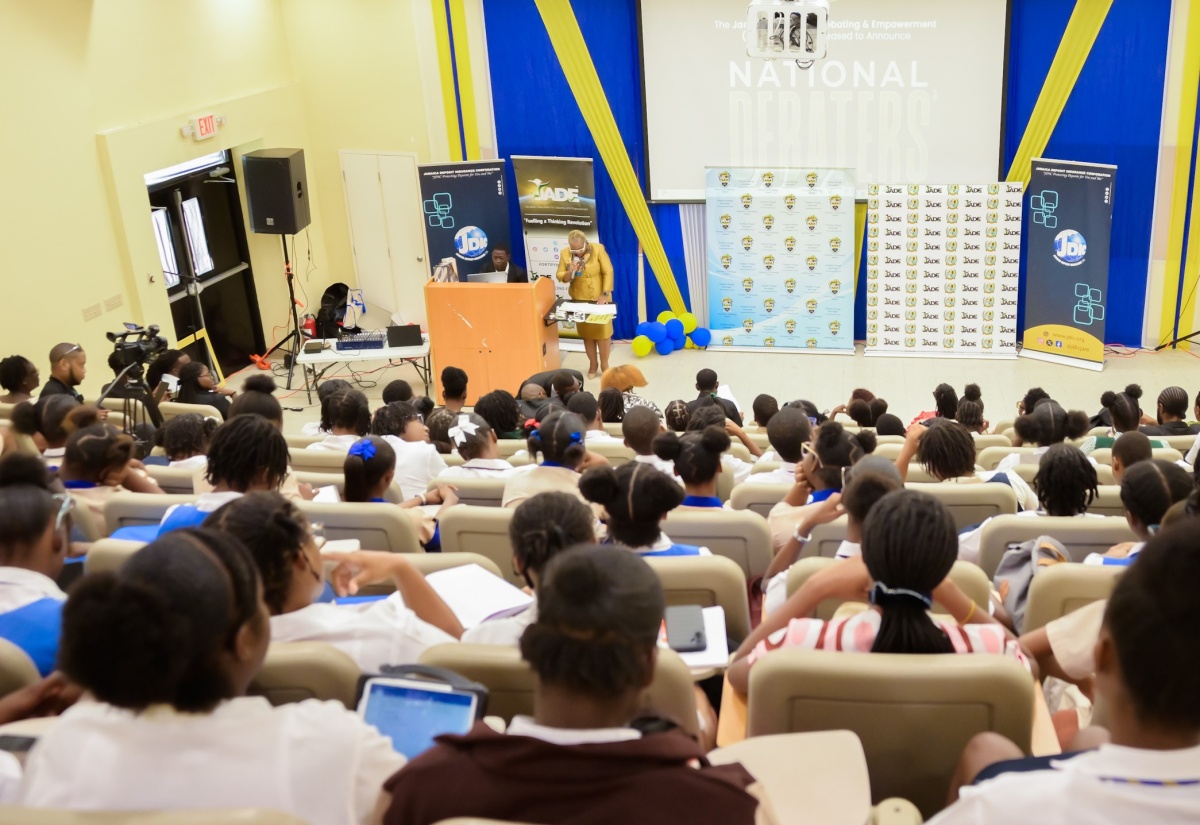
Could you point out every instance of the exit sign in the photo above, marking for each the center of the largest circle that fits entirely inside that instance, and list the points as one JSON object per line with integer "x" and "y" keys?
{"x": 203, "y": 127}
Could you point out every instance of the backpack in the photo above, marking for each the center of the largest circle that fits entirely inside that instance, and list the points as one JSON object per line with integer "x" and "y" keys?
{"x": 333, "y": 311}
{"x": 1021, "y": 562}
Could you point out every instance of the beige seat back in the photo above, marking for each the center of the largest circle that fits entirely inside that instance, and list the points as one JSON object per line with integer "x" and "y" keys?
{"x": 453, "y": 459}
{"x": 826, "y": 539}
{"x": 480, "y": 492}
{"x": 172, "y": 409}
{"x": 1028, "y": 472}
{"x": 1104, "y": 455}
{"x": 222, "y": 816}
{"x": 317, "y": 461}
{"x": 765, "y": 467}
{"x": 707, "y": 581}
{"x": 427, "y": 563}
{"x": 17, "y": 670}
{"x": 510, "y": 446}
{"x": 971, "y": 504}
{"x": 758, "y": 498}
{"x": 889, "y": 451}
{"x": 1081, "y": 535}
{"x": 509, "y": 681}
{"x": 913, "y": 713}
{"x": 1183, "y": 443}
{"x": 107, "y": 555}
{"x": 736, "y": 534}
{"x": 724, "y": 485}
{"x": 176, "y": 481}
{"x": 1107, "y": 501}
{"x": 889, "y": 439}
{"x": 917, "y": 474}
{"x": 982, "y": 442}
{"x": 760, "y": 439}
{"x": 969, "y": 578}
{"x": 301, "y": 442}
{"x": 376, "y": 526}
{"x": 319, "y": 480}
{"x": 1064, "y": 588}
{"x": 296, "y": 671}
{"x": 133, "y": 509}
{"x": 1003, "y": 426}
{"x": 989, "y": 457}
{"x": 739, "y": 450}
{"x": 467, "y": 528}
{"x": 614, "y": 451}
{"x": 613, "y": 428}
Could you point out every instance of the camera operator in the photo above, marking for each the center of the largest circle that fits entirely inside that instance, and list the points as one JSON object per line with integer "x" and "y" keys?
{"x": 132, "y": 349}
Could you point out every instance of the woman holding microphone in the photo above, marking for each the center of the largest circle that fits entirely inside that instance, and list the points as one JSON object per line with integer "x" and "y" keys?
{"x": 588, "y": 269}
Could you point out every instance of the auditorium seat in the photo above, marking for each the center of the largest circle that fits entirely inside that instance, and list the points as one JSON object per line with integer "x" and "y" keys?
{"x": 1104, "y": 456}
{"x": 1064, "y": 588}
{"x": 971, "y": 504}
{"x": 138, "y": 509}
{"x": 481, "y": 492}
{"x": 511, "y": 446}
{"x": 614, "y": 451}
{"x": 316, "y": 461}
{"x": 301, "y": 442}
{"x": 969, "y": 578}
{"x": 707, "y": 581}
{"x": 614, "y": 429}
{"x": 296, "y": 671}
{"x": 982, "y": 442}
{"x": 17, "y": 670}
{"x": 375, "y": 527}
{"x": 913, "y": 713}
{"x": 107, "y": 555}
{"x": 1081, "y": 535}
{"x": 177, "y": 481}
{"x": 736, "y": 534}
{"x": 758, "y": 498}
{"x": 989, "y": 458}
{"x": 1183, "y": 443}
{"x": 226, "y": 816}
{"x": 172, "y": 409}
{"x": 467, "y": 528}
{"x": 1107, "y": 501}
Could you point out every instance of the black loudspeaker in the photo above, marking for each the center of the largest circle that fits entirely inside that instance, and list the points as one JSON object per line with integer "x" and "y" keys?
{"x": 276, "y": 191}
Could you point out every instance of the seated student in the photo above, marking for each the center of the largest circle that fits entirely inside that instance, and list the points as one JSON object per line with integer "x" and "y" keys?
{"x": 34, "y": 540}
{"x": 970, "y": 411}
{"x": 636, "y": 499}
{"x": 185, "y": 439}
{"x": 1147, "y": 665}
{"x": 1048, "y": 424}
{"x": 326, "y": 391}
{"x": 815, "y": 416}
{"x": 258, "y": 398}
{"x": 707, "y": 414}
{"x": 1129, "y": 449}
{"x": 46, "y": 420}
{"x": 677, "y": 416}
{"x": 908, "y": 547}
{"x": 397, "y": 390}
{"x": 542, "y": 527}
{"x": 788, "y": 431}
{"x": 349, "y": 420}
{"x": 168, "y": 646}
{"x": 557, "y": 444}
{"x": 169, "y": 362}
{"x": 563, "y": 385}
{"x": 19, "y": 377}
{"x": 868, "y": 481}
{"x": 1148, "y": 489}
{"x": 424, "y": 405}
{"x": 531, "y": 398}
{"x": 1172, "y": 412}
{"x": 1065, "y": 485}
{"x": 640, "y": 427}
{"x": 584, "y": 405}
{"x": 818, "y": 476}
{"x": 888, "y": 424}
{"x": 1031, "y": 399}
{"x": 764, "y": 408}
{"x": 946, "y": 450}
{"x": 502, "y": 414}
{"x": 198, "y": 386}
{"x": 696, "y": 457}
{"x": 98, "y": 462}
{"x": 1123, "y": 410}
{"x": 476, "y": 442}
{"x": 394, "y": 630}
{"x": 417, "y": 459}
{"x": 612, "y": 406}
{"x": 368, "y": 473}
{"x": 859, "y": 412}
{"x": 580, "y": 758}
{"x": 454, "y": 388}
{"x": 707, "y": 385}
{"x": 624, "y": 379}
{"x": 878, "y": 406}
{"x": 945, "y": 399}
{"x": 439, "y": 423}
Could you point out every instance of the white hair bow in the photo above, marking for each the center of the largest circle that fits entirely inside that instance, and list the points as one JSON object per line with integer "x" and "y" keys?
{"x": 458, "y": 433}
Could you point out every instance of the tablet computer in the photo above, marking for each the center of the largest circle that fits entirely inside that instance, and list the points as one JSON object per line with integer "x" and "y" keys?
{"x": 412, "y": 712}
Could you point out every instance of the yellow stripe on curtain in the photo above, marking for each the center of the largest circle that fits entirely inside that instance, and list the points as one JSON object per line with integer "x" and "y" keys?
{"x": 1177, "y": 266}
{"x": 860, "y": 232}
{"x": 441, "y": 36}
{"x": 577, "y": 65}
{"x": 1082, "y": 29}
{"x": 466, "y": 81}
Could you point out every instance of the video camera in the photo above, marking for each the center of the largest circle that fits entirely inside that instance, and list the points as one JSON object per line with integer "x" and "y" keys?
{"x": 136, "y": 345}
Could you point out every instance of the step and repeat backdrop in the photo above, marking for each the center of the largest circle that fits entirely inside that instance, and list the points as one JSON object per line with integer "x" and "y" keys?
{"x": 781, "y": 266}
{"x": 943, "y": 269}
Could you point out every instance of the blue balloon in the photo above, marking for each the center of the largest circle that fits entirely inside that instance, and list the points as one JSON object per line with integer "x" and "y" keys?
{"x": 665, "y": 347}
{"x": 678, "y": 340}
{"x": 674, "y": 328}
{"x": 642, "y": 329}
{"x": 655, "y": 331}
{"x": 701, "y": 337}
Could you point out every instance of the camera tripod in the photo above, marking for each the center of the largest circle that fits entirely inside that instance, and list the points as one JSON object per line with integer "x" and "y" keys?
{"x": 137, "y": 405}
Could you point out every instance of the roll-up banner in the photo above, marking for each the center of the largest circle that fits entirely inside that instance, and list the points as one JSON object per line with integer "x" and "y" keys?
{"x": 556, "y": 196}
{"x": 466, "y": 212}
{"x": 943, "y": 269}
{"x": 1067, "y": 253}
{"x": 781, "y": 266}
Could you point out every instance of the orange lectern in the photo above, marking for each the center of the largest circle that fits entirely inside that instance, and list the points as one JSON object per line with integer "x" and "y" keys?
{"x": 495, "y": 332}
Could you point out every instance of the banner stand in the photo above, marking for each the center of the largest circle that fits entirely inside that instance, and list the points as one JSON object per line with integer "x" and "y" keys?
{"x": 466, "y": 212}
{"x": 1062, "y": 360}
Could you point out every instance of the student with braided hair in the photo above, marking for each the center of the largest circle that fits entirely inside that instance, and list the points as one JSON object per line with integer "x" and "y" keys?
{"x": 349, "y": 420}
{"x": 1148, "y": 490}
{"x": 945, "y": 399}
{"x": 707, "y": 413}
{"x": 677, "y": 416}
{"x": 1172, "y": 410}
{"x": 946, "y": 449}
{"x": 557, "y": 444}
{"x": 636, "y": 499}
{"x": 98, "y": 461}
{"x": 475, "y": 440}
{"x": 542, "y": 527}
{"x": 502, "y": 414}
{"x": 185, "y": 439}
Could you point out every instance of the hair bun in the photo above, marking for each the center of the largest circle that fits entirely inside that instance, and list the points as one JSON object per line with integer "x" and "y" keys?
{"x": 1133, "y": 391}
{"x": 829, "y": 434}
{"x": 666, "y": 446}
{"x": 1108, "y": 399}
{"x": 715, "y": 440}
{"x": 972, "y": 392}
{"x": 80, "y": 417}
{"x": 867, "y": 441}
{"x": 23, "y": 468}
{"x": 599, "y": 484}
{"x": 259, "y": 383}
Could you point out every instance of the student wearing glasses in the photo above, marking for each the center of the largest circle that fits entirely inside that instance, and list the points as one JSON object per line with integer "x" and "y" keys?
{"x": 417, "y": 459}
{"x": 34, "y": 530}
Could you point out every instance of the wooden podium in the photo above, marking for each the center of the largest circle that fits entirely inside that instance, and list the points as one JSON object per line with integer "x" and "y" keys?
{"x": 495, "y": 332}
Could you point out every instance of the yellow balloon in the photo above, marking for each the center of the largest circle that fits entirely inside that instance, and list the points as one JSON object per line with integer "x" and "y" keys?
{"x": 689, "y": 344}
{"x": 665, "y": 315}
{"x": 642, "y": 346}
{"x": 689, "y": 322}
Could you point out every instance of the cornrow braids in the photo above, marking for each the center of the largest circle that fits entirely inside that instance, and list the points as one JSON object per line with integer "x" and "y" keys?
{"x": 500, "y": 410}
{"x": 186, "y": 435}
{"x": 274, "y": 531}
{"x": 1066, "y": 482}
{"x": 242, "y": 448}
{"x": 1150, "y": 488}
{"x": 559, "y": 439}
{"x": 636, "y": 496}
{"x": 677, "y": 416}
{"x": 545, "y": 525}
{"x": 1174, "y": 402}
{"x": 1123, "y": 408}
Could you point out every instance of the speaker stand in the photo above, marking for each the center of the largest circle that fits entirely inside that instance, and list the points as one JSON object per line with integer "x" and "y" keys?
{"x": 293, "y": 336}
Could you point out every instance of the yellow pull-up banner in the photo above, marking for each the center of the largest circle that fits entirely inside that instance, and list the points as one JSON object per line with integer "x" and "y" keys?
{"x": 1077, "y": 41}
{"x": 577, "y": 65}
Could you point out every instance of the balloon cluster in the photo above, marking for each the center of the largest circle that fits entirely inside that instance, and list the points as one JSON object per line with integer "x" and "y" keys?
{"x": 669, "y": 333}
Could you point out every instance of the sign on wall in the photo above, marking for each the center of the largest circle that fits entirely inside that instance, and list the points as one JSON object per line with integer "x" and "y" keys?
{"x": 781, "y": 265}
{"x": 943, "y": 269}
{"x": 1070, "y": 209}
{"x": 466, "y": 212}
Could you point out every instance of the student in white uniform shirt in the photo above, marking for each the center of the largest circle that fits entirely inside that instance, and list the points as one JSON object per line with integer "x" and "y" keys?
{"x": 185, "y": 440}
{"x": 475, "y": 441}
{"x": 1147, "y": 664}
{"x": 585, "y": 405}
{"x": 326, "y": 391}
{"x": 1048, "y": 424}
{"x": 349, "y": 420}
{"x": 710, "y": 414}
{"x": 542, "y": 527}
{"x": 640, "y": 426}
{"x": 947, "y": 452}
{"x": 417, "y": 459}
{"x": 636, "y": 499}
{"x": 167, "y": 647}
{"x": 787, "y": 431}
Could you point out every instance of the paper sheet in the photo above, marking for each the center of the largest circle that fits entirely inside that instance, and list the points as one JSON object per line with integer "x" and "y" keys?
{"x": 716, "y": 655}
{"x": 474, "y": 594}
{"x": 328, "y": 495}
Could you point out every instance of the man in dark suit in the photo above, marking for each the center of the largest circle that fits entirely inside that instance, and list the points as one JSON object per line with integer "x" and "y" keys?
{"x": 501, "y": 264}
{"x": 706, "y": 384}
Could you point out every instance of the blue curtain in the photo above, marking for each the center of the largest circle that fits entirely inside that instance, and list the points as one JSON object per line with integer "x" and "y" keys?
{"x": 536, "y": 114}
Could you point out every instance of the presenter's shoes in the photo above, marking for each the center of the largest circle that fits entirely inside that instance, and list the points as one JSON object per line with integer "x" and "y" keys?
{"x": 592, "y": 375}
